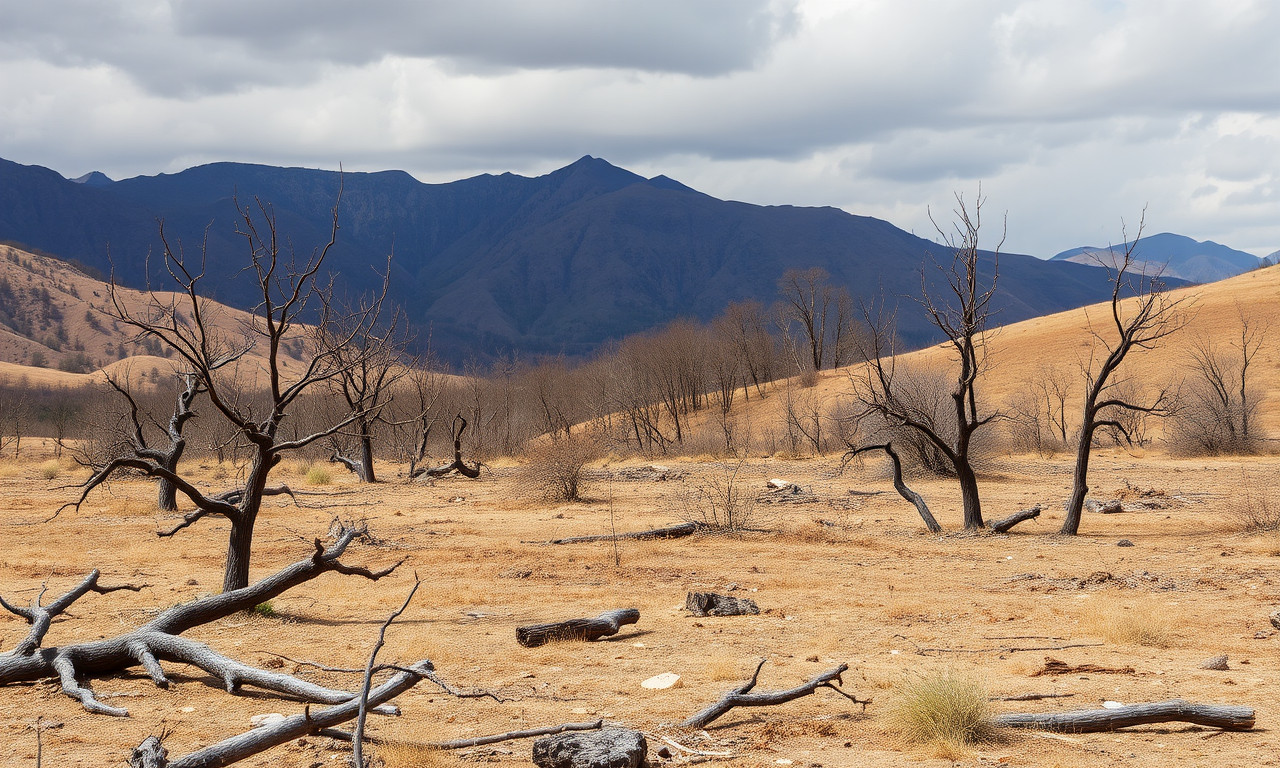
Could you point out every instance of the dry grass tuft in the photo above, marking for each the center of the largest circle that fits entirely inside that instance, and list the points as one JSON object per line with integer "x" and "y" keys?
{"x": 319, "y": 476}
{"x": 1253, "y": 508}
{"x": 51, "y": 469}
{"x": 405, "y": 754}
{"x": 945, "y": 710}
{"x": 1146, "y": 624}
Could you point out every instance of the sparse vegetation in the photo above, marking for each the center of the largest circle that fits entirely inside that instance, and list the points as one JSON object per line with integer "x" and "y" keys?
{"x": 51, "y": 469}
{"x": 1140, "y": 623}
{"x": 318, "y": 475}
{"x": 945, "y": 710}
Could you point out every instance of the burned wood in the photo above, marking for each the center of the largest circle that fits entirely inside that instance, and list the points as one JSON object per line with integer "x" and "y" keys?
{"x": 1231, "y": 718}
{"x": 604, "y": 625}
{"x": 899, "y": 485}
{"x": 669, "y": 532}
{"x": 457, "y": 465}
{"x": 1054, "y": 666}
{"x": 742, "y": 696}
{"x": 160, "y": 639}
{"x": 607, "y": 748}
{"x": 1005, "y": 523}
{"x": 711, "y": 604}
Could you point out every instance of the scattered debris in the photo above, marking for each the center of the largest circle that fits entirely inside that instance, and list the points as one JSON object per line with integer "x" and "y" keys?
{"x": 1054, "y": 666}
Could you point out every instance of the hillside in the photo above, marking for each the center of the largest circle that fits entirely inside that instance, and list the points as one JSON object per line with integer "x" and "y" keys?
{"x": 1173, "y": 256}
{"x": 558, "y": 263}
{"x": 1022, "y": 352}
{"x": 55, "y": 328}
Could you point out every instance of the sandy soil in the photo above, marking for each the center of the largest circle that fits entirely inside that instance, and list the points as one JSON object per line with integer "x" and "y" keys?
{"x": 867, "y": 587}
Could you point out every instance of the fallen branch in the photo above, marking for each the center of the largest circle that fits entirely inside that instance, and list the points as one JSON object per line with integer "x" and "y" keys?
{"x": 1231, "y": 718}
{"x": 478, "y": 741}
{"x": 669, "y": 532}
{"x": 1032, "y": 696}
{"x": 150, "y": 754}
{"x": 160, "y": 639}
{"x": 742, "y": 697}
{"x": 1005, "y": 523}
{"x": 899, "y": 485}
{"x": 604, "y": 625}
{"x": 998, "y": 649}
{"x": 1054, "y": 666}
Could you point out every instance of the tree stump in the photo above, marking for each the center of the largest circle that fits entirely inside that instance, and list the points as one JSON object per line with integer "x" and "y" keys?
{"x": 608, "y": 748}
{"x": 710, "y": 604}
{"x": 604, "y": 625}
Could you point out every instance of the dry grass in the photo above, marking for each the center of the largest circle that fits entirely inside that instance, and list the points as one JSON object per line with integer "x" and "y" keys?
{"x": 51, "y": 469}
{"x": 317, "y": 475}
{"x": 1145, "y": 623}
{"x": 946, "y": 710}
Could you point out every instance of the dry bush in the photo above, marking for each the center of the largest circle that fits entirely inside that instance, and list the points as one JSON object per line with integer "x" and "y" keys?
{"x": 556, "y": 468}
{"x": 1146, "y": 624}
{"x": 1253, "y": 507}
{"x": 722, "y": 500}
{"x": 51, "y": 469}
{"x": 319, "y": 476}
{"x": 945, "y": 710}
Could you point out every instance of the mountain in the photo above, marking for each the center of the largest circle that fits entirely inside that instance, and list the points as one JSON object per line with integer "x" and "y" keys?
{"x": 1178, "y": 256}
{"x": 498, "y": 263}
{"x": 94, "y": 179}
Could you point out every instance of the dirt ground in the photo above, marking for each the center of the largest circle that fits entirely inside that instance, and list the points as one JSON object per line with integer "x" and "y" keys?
{"x": 845, "y": 578}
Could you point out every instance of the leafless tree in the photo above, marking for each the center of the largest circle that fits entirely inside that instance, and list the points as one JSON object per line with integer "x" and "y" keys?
{"x": 822, "y": 312}
{"x": 15, "y": 419}
{"x": 1140, "y": 323}
{"x": 169, "y": 455}
{"x": 184, "y": 322}
{"x": 367, "y": 358}
{"x": 962, "y": 318}
{"x": 1220, "y": 398}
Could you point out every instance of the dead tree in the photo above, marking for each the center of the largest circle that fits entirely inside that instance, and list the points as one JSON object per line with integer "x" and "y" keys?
{"x": 1221, "y": 398}
{"x": 899, "y": 485}
{"x": 186, "y": 322}
{"x": 457, "y": 465}
{"x": 427, "y": 388}
{"x": 169, "y": 456}
{"x": 161, "y": 638}
{"x": 367, "y": 356}
{"x": 1140, "y": 322}
{"x": 963, "y": 320}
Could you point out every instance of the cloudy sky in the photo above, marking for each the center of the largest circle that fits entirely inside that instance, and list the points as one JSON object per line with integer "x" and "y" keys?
{"x": 1072, "y": 114}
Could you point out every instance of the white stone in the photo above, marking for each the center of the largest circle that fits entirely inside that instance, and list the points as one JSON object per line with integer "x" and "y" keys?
{"x": 187, "y": 709}
{"x": 269, "y": 718}
{"x": 663, "y": 681}
{"x": 779, "y": 483}
{"x": 1112, "y": 705}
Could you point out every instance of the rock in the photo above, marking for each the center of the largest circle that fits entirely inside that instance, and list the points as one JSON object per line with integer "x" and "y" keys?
{"x": 664, "y": 753}
{"x": 270, "y": 718}
{"x": 1275, "y": 619}
{"x": 1124, "y": 543}
{"x": 778, "y": 484}
{"x": 1112, "y": 705}
{"x": 711, "y": 604}
{"x": 1261, "y": 634}
{"x": 606, "y": 748}
{"x": 662, "y": 682}
{"x": 1218, "y": 662}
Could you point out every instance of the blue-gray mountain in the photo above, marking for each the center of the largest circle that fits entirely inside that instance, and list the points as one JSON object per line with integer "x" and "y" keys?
{"x": 1174, "y": 255}
{"x": 558, "y": 263}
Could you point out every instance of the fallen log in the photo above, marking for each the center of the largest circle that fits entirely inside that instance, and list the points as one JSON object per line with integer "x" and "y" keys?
{"x": 1005, "y": 523}
{"x": 742, "y": 697}
{"x": 1054, "y": 666}
{"x": 604, "y": 625}
{"x": 1231, "y": 718}
{"x": 669, "y": 532}
{"x": 899, "y": 485}
{"x": 711, "y": 604}
{"x": 478, "y": 741}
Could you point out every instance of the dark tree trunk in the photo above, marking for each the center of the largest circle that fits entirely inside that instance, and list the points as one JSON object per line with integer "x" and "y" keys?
{"x": 239, "y": 548}
{"x": 366, "y": 455}
{"x": 969, "y": 496}
{"x": 1079, "y": 482}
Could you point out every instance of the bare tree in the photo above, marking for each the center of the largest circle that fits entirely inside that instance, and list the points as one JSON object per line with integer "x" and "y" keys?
{"x": 1140, "y": 323}
{"x": 1220, "y": 398}
{"x": 168, "y": 456}
{"x": 184, "y": 321}
{"x": 367, "y": 358}
{"x": 809, "y": 302}
{"x": 963, "y": 320}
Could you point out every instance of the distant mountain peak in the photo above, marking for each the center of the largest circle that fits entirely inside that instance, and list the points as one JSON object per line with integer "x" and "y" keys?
{"x": 1172, "y": 254}
{"x": 94, "y": 179}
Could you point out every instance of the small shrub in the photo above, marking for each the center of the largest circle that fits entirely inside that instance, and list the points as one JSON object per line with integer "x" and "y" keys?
{"x": 1252, "y": 509}
{"x": 265, "y": 609}
{"x": 945, "y": 710}
{"x": 722, "y": 500}
{"x": 50, "y": 469}
{"x": 557, "y": 468}
{"x": 319, "y": 476}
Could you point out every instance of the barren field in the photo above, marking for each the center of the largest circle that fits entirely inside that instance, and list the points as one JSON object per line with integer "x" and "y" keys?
{"x": 844, "y": 577}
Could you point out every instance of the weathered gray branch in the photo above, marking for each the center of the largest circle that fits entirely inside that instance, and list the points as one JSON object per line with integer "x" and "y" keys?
{"x": 1005, "y": 523}
{"x": 669, "y": 532}
{"x": 899, "y": 485}
{"x": 1231, "y": 718}
{"x": 742, "y": 697}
